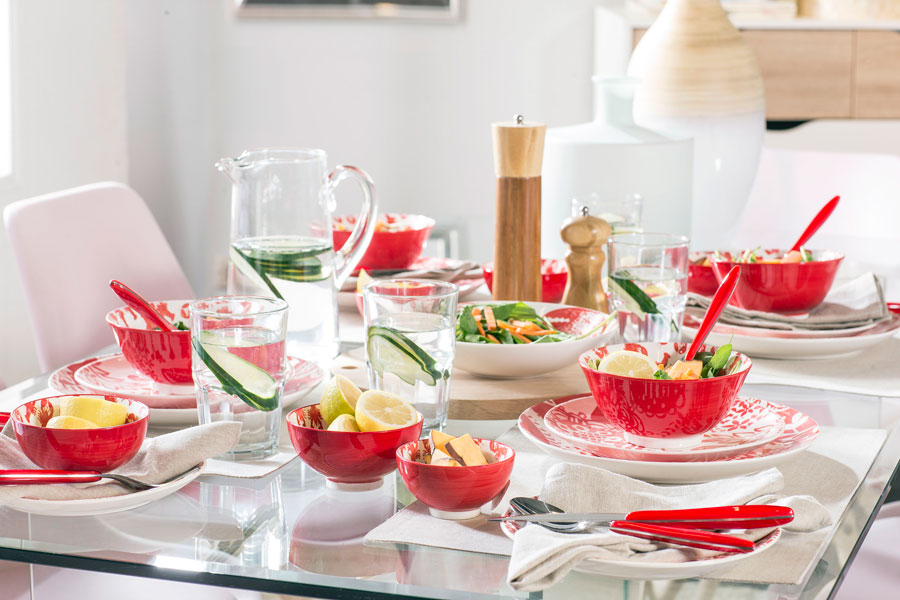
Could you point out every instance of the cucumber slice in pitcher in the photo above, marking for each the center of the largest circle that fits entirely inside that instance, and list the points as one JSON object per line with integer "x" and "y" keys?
{"x": 239, "y": 377}
{"x": 248, "y": 270}
{"x": 392, "y": 352}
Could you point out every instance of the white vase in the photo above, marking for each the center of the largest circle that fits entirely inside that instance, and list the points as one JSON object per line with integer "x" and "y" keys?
{"x": 699, "y": 78}
{"x": 612, "y": 158}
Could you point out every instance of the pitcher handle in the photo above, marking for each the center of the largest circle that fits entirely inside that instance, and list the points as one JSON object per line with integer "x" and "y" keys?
{"x": 346, "y": 259}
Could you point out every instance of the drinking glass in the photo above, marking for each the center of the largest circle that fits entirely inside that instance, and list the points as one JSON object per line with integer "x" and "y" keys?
{"x": 410, "y": 342}
{"x": 238, "y": 363}
{"x": 648, "y": 285}
{"x": 623, "y": 213}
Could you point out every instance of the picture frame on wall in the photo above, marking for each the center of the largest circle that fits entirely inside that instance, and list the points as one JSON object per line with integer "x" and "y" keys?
{"x": 422, "y": 10}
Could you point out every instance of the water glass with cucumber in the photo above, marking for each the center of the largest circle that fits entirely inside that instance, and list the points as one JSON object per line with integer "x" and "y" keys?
{"x": 238, "y": 364}
{"x": 410, "y": 342}
{"x": 648, "y": 285}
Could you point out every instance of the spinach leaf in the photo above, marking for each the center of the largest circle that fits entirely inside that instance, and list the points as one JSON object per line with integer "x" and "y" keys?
{"x": 467, "y": 321}
{"x": 660, "y": 374}
{"x": 717, "y": 362}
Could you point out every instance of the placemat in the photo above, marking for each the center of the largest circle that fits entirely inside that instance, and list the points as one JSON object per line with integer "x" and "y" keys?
{"x": 831, "y": 471}
{"x": 872, "y": 372}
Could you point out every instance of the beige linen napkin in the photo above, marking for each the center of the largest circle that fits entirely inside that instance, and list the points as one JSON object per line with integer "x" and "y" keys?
{"x": 465, "y": 270}
{"x": 159, "y": 459}
{"x": 541, "y": 557}
{"x": 857, "y": 302}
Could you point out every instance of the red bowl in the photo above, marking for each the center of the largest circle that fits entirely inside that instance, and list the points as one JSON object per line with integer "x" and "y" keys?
{"x": 102, "y": 449}
{"x": 455, "y": 492}
{"x": 782, "y": 287}
{"x": 658, "y": 413}
{"x": 554, "y": 276}
{"x": 163, "y": 356}
{"x": 389, "y": 248}
{"x": 701, "y": 279}
{"x": 346, "y": 457}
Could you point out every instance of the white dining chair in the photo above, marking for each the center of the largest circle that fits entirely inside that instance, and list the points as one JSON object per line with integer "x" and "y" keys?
{"x": 792, "y": 185}
{"x": 68, "y": 245}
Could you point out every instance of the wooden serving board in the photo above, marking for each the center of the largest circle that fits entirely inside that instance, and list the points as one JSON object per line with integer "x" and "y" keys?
{"x": 481, "y": 398}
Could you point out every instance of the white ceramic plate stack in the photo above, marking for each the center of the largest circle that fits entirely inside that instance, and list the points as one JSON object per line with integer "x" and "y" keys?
{"x": 753, "y": 436}
{"x": 758, "y": 342}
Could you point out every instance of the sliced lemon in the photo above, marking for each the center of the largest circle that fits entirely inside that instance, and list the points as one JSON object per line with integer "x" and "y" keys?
{"x": 380, "y": 411}
{"x": 70, "y": 423}
{"x": 362, "y": 280}
{"x": 629, "y": 364}
{"x": 338, "y": 398}
{"x": 102, "y": 413}
{"x": 344, "y": 423}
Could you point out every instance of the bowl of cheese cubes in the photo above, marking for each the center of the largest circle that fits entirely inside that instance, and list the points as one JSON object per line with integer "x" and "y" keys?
{"x": 80, "y": 432}
{"x": 455, "y": 476}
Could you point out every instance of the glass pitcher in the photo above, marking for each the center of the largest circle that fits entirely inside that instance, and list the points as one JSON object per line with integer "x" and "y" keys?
{"x": 281, "y": 240}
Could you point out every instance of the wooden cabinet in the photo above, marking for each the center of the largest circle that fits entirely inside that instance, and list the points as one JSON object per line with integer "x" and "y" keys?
{"x": 816, "y": 72}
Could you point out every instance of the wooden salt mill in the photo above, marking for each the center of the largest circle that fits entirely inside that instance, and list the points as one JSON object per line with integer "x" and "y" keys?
{"x": 518, "y": 154}
{"x": 586, "y": 237}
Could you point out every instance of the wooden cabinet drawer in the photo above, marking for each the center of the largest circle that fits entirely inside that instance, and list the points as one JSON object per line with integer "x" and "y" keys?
{"x": 877, "y": 75}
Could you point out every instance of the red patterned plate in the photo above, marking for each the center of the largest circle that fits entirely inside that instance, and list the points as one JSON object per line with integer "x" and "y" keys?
{"x": 304, "y": 376}
{"x": 693, "y": 318}
{"x": 799, "y": 432}
{"x": 749, "y": 424}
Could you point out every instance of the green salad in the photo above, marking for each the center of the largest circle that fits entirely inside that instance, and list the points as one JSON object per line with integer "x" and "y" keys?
{"x": 513, "y": 323}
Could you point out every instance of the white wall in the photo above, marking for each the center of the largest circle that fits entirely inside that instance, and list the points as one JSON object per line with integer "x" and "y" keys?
{"x": 68, "y": 127}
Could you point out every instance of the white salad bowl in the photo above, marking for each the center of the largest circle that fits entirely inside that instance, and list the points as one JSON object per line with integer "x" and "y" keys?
{"x": 505, "y": 361}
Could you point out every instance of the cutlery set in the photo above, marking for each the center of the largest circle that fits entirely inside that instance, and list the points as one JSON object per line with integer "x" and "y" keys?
{"x": 695, "y": 527}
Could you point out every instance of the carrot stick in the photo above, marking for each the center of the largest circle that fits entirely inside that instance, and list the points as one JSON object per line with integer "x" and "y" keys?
{"x": 521, "y": 337}
{"x": 489, "y": 318}
{"x": 478, "y": 325}
{"x": 541, "y": 332}
{"x": 492, "y": 338}
{"x": 503, "y": 325}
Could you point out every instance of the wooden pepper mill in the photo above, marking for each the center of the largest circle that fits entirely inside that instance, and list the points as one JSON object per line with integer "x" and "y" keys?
{"x": 518, "y": 153}
{"x": 586, "y": 237}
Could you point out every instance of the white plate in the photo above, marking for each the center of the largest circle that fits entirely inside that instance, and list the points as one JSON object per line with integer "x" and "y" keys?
{"x": 505, "y": 361}
{"x": 799, "y": 432}
{"x": 693, "y": 317}
{"x": 804, "y": 348}
{"x": 101, "y": 506}
{"x": 645, "y": 569}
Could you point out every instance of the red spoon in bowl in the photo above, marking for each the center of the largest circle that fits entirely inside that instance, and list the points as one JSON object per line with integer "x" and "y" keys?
{"x": 817, "y": 222}
{"x": 135, "y": 301}
{"x": 723, "y": 295}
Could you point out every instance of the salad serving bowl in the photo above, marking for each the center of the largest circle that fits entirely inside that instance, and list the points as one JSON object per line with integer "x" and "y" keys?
{"x": 455, "y": 492}
{"x": 397, "y": 242}
{"x": 781, "y": 287}
{"x": 101, "y": 449}
{"x": 505, "y": 361}
{"x": 660, "y": 413}
{"x": 347, "y": 457}
{"x": 701, "y": 277}
{"x": 163, "y": 356}
{"x": 554, "y": 275}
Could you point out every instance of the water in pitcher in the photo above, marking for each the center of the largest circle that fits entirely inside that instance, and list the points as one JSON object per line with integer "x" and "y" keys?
{"x": 299, "y": 270}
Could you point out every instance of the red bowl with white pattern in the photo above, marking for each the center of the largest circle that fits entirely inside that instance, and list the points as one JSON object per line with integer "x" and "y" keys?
{"x": 456, "y": 493}
{"x": 787, "y": 288}
{"x": 554, "y": 275}
{"x": 660, "y": 413}
{"x": 348, "y": 459}
{"x": 163, "y": 356}
{"x": 101, "y": 449}
{"x": 397, "y": 242}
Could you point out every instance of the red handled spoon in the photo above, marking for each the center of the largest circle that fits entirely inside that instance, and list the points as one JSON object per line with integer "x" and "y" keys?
{"x": 723, "y": 295}
{"x": 817, "y": 222}
{"x": 135, "y": 301}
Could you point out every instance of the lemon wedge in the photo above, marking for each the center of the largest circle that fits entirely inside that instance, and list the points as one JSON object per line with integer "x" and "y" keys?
{"x": 380, "y": 411}
{"x": 338, "y": 398}
{"x": 629, "y": 364}
{"x": 70, "y": 423}
{"x": 344, "y": 423}
{"x": 100, "y": 412}
{"x": 362, "y": 280}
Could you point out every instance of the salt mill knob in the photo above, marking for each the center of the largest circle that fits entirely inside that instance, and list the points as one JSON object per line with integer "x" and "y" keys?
{"x": 586, "y": 236}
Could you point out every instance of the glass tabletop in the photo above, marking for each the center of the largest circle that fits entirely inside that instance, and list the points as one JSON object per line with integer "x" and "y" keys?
{"x": 290, "y": 533}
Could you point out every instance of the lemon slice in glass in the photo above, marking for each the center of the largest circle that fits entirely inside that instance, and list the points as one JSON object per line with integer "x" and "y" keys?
{"x": 629, "y": 364}
{"x": 380, "y": 411}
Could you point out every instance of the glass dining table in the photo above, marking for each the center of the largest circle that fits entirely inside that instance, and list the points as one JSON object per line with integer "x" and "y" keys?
{"x": 289, "y": 533}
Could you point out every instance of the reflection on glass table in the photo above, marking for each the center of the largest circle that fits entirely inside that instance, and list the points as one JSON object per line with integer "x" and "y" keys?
{"x": 289, "y": 533}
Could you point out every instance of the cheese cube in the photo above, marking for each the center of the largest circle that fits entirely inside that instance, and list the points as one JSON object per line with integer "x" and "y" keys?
{"x": 465, "y": 451}
{"x": 439, "y": 438}
{"x": 442, "y": 459}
